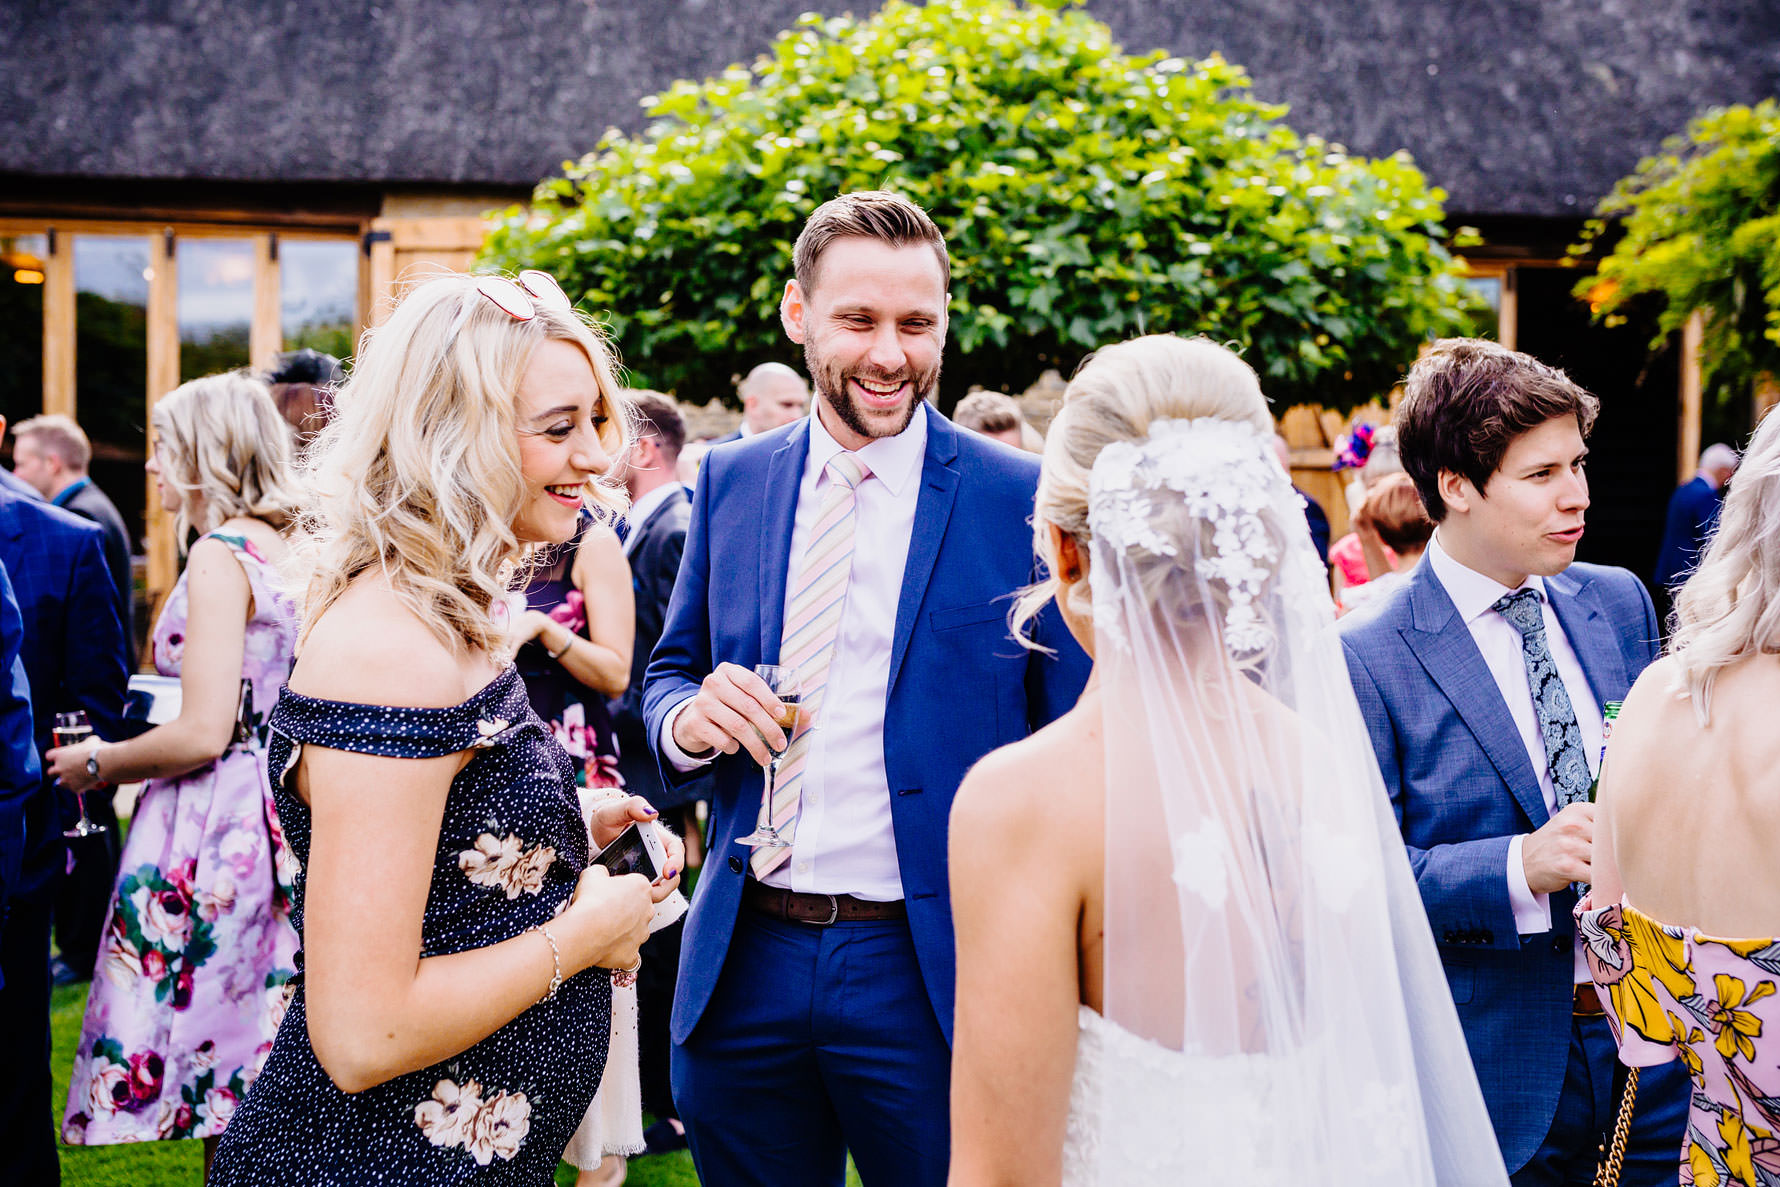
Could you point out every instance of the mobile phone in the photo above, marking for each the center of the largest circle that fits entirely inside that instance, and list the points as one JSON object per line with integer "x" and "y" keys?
{"x": 635, "y": 851}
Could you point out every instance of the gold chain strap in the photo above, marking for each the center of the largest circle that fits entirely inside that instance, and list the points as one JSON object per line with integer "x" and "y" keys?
{"x": 1607, "y": 1174}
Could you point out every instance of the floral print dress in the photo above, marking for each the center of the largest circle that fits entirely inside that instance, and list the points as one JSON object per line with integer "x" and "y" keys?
{"x": 198, "y": 944}
{"x": 1675, "y": 992}
{"x": 512, "y": 845}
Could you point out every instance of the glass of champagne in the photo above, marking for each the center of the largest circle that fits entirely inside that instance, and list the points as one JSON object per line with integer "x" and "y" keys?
{"x": 784, "y": 684}
{"x": 71, "y": 729}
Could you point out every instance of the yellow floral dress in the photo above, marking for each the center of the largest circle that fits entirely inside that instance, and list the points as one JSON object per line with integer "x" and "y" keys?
{"x": 1675, "y": 992}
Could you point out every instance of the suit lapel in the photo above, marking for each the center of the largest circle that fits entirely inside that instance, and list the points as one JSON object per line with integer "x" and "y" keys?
{"x": 1443, "y": 645}
{"x": 1591, "y": 636}
{"x": 784, "y": 479}
{"x": 939, "y": 490}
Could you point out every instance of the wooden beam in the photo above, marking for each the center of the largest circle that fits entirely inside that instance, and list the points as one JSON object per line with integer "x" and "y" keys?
{"x": 58, "y": 325}
{"x": 1508, "y": 316}
{"x": 265, "y": 336}
{"x": 1687, "y": 437}
{"x": 163, "y": 377}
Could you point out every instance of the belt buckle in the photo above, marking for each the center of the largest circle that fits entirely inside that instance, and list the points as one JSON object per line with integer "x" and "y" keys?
{"x": 834, "y": 912}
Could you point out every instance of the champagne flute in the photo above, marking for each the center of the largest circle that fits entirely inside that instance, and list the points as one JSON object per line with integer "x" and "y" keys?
{"x": 71, "y": 729}
{"x": 784, "y": 684}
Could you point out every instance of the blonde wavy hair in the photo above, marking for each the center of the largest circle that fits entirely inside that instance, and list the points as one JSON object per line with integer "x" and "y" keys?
{"x": 1729, "y": 609}
{"x": 418, "y": 475}
{"x": 1117, "y": 393}
{"x": 221, "y": 442}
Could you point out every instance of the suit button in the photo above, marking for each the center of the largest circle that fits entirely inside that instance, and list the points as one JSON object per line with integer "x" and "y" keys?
{"x": 1560, "y": 943}
{"x": 1489, "y": 937}
{"x": 735, "y": 865}
{"x": 1449, "y": 936}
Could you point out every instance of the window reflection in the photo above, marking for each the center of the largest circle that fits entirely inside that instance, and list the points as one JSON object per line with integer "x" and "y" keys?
{"x": 215, "y": 305}
{"x": 22, "y": 265}
{"x": 1487, "y": 289}
{"x": 111, "y": 274}
{"x": 318, "y": 298}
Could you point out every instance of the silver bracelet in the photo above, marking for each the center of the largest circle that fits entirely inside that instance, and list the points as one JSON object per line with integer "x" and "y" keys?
{"x": 564, "y": 649}
{"x": 556, "y": 962}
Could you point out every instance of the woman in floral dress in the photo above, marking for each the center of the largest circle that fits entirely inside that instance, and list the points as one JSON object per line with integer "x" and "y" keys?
{"x": 1682, "y": 933}
{"x": 198, "y": 944}
{"x": 451, "y": 1011}
{"x": 576, "y": 628}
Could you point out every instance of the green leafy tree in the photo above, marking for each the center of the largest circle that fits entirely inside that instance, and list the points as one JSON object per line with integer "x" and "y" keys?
{"x": 1086, "y": 195}
{"x": 1701, "y": 224}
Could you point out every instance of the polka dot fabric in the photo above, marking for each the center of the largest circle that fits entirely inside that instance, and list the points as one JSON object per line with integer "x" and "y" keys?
{"x": 511, "y": 846}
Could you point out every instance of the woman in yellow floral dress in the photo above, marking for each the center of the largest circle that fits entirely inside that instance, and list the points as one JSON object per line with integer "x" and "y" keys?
{"x": 1686, "y": 833}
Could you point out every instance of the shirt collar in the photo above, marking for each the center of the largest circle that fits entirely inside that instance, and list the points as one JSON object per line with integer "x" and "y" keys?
{"x": 894, "y": 461}
{"x": 643, "y": 508}
{"x": 1472, "y": 593}
{"x": 69, "y": 491}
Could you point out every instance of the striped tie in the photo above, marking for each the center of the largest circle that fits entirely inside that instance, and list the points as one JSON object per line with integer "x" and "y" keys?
{"x": 812, "y": 619}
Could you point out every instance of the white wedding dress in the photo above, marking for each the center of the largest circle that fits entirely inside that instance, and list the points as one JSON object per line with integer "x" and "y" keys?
{"x": 1259, "y": 912}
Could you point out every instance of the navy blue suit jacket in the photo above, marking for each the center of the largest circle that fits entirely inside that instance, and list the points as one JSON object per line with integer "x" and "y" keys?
{"x": 960, "y": 686}
{"x": 74, "y": 643}
{"x": 1462, "y": 785}
{"x": 1692, "y": 517}
{"x": 21, "y": 774}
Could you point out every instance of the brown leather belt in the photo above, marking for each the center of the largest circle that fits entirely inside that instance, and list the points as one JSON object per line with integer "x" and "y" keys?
{"x": 1588, "y": 1002}
{"x": 817, "y": 909}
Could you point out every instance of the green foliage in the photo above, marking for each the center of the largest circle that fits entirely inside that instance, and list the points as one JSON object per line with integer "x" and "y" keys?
{"x": 1702, "y": 231}
{"x": 1087, "y": 196}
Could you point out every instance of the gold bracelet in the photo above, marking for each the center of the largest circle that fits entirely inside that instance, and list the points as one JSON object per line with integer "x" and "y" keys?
{"x": 555, "y": 961}
{"x": 564, "y": 649}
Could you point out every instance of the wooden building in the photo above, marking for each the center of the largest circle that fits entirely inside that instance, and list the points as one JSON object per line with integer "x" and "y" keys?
{"x": 199, "y": 184}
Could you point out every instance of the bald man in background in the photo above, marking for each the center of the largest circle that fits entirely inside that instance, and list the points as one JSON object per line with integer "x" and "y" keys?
{"x": 772, "y": 395}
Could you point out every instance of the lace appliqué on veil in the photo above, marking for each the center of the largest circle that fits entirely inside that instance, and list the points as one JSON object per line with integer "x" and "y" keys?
{"x": 1144, "y": 495}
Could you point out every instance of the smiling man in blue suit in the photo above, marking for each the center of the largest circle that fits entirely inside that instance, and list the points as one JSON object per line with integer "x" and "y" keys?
{"x": 1482, "y": 682}
{"x": 872, "y": 547}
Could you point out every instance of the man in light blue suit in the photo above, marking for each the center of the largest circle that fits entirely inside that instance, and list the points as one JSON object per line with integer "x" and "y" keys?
{"x": 873, "y": 547}
{"x": 1482, "y": 682}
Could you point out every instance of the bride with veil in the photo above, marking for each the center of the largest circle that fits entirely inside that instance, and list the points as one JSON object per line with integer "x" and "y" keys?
{"x": 1193, "y": 952}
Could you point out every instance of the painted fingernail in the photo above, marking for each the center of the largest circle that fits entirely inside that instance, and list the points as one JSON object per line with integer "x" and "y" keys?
{"x": 670, "y": 873}
{"x": 650, "y": 812}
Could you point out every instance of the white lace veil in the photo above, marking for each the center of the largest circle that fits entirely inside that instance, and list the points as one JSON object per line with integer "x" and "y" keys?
{"x": 1260, "y": 912}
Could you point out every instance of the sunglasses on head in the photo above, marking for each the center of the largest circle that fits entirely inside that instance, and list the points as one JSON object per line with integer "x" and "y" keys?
{"x": 522, "y": 297}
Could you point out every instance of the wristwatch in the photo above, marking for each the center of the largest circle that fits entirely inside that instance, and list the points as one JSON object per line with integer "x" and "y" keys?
{"x": 93, "y": 760}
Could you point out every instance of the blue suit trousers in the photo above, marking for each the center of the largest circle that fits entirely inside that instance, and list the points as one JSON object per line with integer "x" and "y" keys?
{"x": 817, "y": 1041}
{"x": 1588, "y": 1107}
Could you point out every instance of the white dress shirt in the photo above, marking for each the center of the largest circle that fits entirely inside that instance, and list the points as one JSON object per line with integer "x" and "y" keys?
{"x": 844, "y": 841}
{"x": 639, "y": 514}
{"x": 1473, "y": 595}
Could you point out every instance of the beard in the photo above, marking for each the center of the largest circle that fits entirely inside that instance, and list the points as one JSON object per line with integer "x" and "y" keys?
{"x": 832, "y": 382}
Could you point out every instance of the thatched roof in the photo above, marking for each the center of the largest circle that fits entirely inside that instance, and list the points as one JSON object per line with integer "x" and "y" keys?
{"x": 1515, "y": 106}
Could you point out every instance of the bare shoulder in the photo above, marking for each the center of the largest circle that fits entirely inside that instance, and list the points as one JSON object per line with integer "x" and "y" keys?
{"x": 371, "y": 648}
{"x": 1042, "y": 785}
{"x": 600, "y": 546}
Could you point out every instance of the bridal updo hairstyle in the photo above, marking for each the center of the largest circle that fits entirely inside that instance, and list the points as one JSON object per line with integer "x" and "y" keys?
{"x": 1116, "y": 395}
{"x": 1729, "y": 610}
{"x": 223, "y": 445}
{"x": 418, "y": 473}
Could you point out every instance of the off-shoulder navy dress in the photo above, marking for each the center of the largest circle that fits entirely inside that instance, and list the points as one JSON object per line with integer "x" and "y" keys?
{"x": 511, "y": 847}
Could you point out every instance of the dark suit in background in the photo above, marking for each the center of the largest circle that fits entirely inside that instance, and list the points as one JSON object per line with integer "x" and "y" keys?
{"x": 73, "y": 656}
{"x": 654, "y": 546}
{"x": 89, "y": 502}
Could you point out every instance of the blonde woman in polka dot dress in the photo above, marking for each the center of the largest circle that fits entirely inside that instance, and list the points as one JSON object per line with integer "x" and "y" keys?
{"x": 451, "y": 1010}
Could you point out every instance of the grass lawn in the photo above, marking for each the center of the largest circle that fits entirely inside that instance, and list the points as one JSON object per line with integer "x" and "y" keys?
{"x": 181, "y": 1164}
